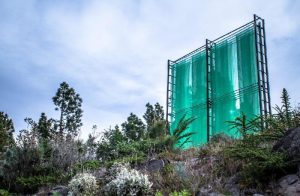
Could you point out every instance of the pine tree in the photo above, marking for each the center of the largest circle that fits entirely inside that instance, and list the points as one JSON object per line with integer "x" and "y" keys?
{"x": 68, "y": 102}
{"x": 134, "y": 128}
{"x": 153, "y": 114}
{"x": 286, "y": 106}
{"x": 6, "y": 131}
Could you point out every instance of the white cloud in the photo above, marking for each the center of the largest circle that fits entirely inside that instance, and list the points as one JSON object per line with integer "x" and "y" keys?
{"x": 114, "y": 53}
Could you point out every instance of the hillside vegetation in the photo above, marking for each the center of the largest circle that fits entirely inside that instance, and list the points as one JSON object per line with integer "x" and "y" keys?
{"x": 140, "y": 156}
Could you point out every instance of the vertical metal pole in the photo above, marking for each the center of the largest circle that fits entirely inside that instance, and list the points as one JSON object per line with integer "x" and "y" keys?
{"x": 167, "y": 101}
{"x": 258, "y": 68}
{"x": 262, "y": 61}
{"x": 267, "y": 72}
{"x": 207, "y": 91}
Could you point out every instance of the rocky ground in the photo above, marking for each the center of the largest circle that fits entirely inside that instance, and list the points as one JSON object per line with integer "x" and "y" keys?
{"x": 198, "y": 171}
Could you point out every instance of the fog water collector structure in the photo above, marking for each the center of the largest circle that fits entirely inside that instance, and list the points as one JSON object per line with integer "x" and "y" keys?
{"x": 220, "y": 80}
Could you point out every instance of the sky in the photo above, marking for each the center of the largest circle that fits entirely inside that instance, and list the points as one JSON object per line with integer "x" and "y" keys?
{"x": 114, "y": 53}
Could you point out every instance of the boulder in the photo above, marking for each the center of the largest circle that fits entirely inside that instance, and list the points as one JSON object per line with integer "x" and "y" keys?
{"x": 289, "y": 185}
{"x": 154, "y": 165}
{"x": 290, "y": 143}
{"x": 232, "y": 185}
{"x": 60, "y": 190}
{"x": 208, "y": 192}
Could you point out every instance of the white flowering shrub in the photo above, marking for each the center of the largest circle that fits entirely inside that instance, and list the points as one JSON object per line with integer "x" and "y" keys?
{"x": 83, "y": 184}
{"x": 127, "y": 182}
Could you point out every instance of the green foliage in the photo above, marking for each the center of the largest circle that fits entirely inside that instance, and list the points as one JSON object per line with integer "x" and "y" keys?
{"x": 6, "y": 131}
{"x": 254, "y": 151}
{"x": 133, "y": 128}
{"x": 153, "y": 114}
{"x": 245, "y": 126}
{"x": 68, "y": 102}
{"x": 122, "y": 180}
{"x": 286, "y": 106}
{"x": 4, "y": 192}
{"x": 32, "y": 183}
{"x": 45, "y": 127}
{"x": 90, "y": 165}
{"x": 175, "y": 193}
{"x": 159, "y": 193}
{"x": 168, "y": 180}
{"x": 180, "y": 138}
{"x": 157, "y": 129}
{"x": 259, "y": 163}
{"x": 181, "y": 193}
{"x": 83, "y": 184}
{"x": 114, "y": 136}
{"x": 91, "y": 145}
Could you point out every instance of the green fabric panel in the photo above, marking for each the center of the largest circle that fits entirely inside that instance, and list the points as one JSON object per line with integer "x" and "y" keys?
{"x": 199, "y": 110}
{"x": 234, "y": 81}
{"x": 189, "y": 96}
{"x": 224, "y": 77}
{"x": 247, "y": 67}
{"x": 234, "y": 86}
{"x": 181, "y": 96}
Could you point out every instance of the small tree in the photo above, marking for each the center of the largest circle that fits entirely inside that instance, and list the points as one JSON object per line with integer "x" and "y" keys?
{"x": 154, "y": 117}
{"x": 153, "y": 114}
{"x": 6, "y": 131}
{"x": 134, "y": 128}
{"x": 45, "y": 129}
{"x": 286, "y": 106}
{"x": 68, "y": 102}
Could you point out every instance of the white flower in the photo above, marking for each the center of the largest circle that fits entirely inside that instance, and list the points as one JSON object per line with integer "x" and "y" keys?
{"x": 128, "y": 182}
{"x": 83, "y": 184}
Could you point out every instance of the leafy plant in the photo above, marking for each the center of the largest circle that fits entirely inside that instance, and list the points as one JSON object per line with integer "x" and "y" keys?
{"x": 181, "y": 193}
{"x": 4, "y": 192}
{"x": 127, "y": 181}
{"x": 6, "y": 131}
{"x": 33, "y": 182}
{"x": 245, "y": 126}
{"x": 68, "y": 102}
{"x": 83, "y": 184}
{"x": 180, "y": 138}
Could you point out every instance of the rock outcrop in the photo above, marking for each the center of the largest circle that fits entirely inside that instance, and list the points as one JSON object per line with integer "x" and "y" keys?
{"x": 290, "y": 143}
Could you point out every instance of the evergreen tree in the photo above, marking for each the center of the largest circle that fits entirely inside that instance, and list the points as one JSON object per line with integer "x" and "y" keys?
{"x": 154, "y": 117}
{"x": 45, "y": 127}
{"x": 286, "y": 106}
{"x": 68, "y": 102}
{"x": 134, "y": 128}
{"x": 114, "y": 136}
{"x": 6, "y": 131}
{"x": 153, "y": 114}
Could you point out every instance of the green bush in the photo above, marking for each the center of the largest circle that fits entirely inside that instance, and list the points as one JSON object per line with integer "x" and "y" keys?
{"x": 83, "y": 184}
{"x": 259, "y": 163}
{"x": 4, "y": 192}
{"x": 127, "y": 181}
{"x": 86, "y": 166}
{"x": 31, "y": 184}
{"x": 181, "y": 193}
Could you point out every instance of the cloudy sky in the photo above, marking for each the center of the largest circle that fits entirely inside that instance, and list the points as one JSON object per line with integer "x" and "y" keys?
{"x": 114, "y": 53}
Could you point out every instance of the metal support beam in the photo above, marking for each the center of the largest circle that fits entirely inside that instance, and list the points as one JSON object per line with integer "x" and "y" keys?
{"x": 167, "y": 101}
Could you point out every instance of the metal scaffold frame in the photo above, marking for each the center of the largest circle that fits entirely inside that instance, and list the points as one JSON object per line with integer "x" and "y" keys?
{"x": 258, "y": 24}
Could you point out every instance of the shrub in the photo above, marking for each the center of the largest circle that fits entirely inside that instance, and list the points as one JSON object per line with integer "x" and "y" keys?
{"x": 4, "y": 192}
{"x": 127, "y": 182}
{"x": 90, "y": 165}
{"x": 258, "y": 163}
{"x": 175, "y": 193}
{"x": 83, "y": 184}
{"x": 33, "y": 182}
{"x": 181, "y": 193}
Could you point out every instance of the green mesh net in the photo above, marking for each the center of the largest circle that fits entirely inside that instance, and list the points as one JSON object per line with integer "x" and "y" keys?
{"x": 233, "y": 81}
